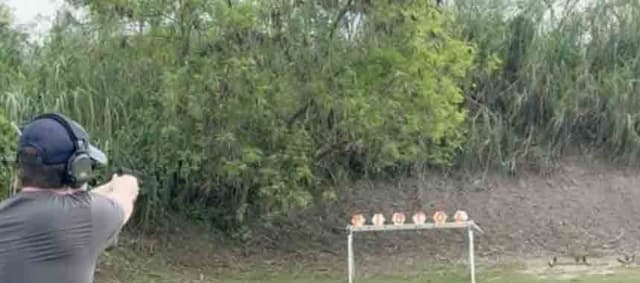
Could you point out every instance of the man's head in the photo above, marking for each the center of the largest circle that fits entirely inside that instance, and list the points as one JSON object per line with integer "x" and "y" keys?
{"x": 55, "y": 152}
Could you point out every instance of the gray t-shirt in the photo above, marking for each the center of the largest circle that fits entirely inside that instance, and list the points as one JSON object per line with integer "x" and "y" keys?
{"x": 49, "y": 237}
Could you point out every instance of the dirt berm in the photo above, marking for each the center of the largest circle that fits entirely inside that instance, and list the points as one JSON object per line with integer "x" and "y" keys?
{"x": 580, "y": 207}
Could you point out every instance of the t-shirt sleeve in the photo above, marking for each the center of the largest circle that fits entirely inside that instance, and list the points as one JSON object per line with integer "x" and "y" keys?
{"x": 108, "y": 218}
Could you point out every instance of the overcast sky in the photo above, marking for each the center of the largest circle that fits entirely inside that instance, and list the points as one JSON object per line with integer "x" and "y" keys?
{"x": 33, "y": 15}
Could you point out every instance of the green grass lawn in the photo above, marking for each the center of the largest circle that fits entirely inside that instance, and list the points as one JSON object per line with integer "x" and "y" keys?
{"x": 444, "y": 277}
{"x": 131, "y": 268}
{"x": 494, "y": 276}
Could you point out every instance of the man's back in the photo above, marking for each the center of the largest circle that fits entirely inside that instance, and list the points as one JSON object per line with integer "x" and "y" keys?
{"x": 50, "y": 237}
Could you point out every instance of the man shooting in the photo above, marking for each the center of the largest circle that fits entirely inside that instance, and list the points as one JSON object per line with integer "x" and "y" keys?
{"x": 53, "y": 230}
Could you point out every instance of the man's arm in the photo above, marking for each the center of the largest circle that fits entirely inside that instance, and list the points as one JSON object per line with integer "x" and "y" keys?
{"x": 123, "y": 190}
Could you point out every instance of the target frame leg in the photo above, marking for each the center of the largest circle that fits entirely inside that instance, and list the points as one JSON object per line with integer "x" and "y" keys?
{"x": 472, "y": 264}
{"x": 350, "y": 256}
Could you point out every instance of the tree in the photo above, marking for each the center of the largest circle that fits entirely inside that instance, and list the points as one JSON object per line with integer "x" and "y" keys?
{"x": 236, "y": 110}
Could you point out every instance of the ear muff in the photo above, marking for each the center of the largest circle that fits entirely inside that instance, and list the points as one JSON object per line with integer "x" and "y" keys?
{"x": 79, "y": 168}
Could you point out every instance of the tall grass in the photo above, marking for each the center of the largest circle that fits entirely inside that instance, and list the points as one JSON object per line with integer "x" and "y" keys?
{"x": 564, "y": 83}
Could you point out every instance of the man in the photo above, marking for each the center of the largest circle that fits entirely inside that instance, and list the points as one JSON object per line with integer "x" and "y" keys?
{"x": 53, "y": 230}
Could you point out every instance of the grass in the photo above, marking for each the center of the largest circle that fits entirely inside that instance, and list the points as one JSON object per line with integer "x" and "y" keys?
{"x": 499, "y": 276}
{"x": 128, "y": 266}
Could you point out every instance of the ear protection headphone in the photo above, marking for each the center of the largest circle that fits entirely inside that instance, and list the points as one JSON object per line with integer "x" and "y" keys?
{"x": 79, "y": 167}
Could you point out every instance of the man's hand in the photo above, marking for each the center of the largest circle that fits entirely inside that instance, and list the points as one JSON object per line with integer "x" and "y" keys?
{"x": 125, "y": 183}
{"x": 123, "y": 190}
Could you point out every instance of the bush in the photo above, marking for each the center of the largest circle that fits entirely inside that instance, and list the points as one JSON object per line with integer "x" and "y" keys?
{"x": 8, "y": 142}
{"x": 233, "y": 111}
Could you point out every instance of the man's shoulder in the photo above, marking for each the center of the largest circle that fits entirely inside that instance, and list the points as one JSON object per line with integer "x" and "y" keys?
{"x": 106, "y": 207}
{"x": 19, "y": 201}
{"x": 51, "y": 203}
{"x": 101, "y": 201}
{"x": 28, "y": 205}
{"x": 12, "y": 201}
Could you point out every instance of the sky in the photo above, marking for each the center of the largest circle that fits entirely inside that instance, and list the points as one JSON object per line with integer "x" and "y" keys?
{"x": 33, "y": 15}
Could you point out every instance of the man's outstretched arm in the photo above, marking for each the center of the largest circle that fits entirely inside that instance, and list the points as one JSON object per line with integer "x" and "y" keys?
{"x": 123, "y": 190}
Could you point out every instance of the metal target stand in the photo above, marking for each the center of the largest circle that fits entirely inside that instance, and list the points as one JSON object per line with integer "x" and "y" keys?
{"x": 470, "y": 226}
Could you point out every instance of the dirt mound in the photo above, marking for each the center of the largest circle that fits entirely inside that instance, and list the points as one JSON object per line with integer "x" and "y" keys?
{"x": 581, "y": 208}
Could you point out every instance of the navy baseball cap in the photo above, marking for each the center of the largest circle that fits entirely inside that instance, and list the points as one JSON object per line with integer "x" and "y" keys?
{"x": 55, "y": 142}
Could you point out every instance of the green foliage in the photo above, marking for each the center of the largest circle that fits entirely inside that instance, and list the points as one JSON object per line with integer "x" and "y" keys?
{"x": 406, "y": 99}
{"x": 8, "y": 142}
{"x": 232, "y": 111}
{"x": 240, "y": 110}
{"x": 568, "y": 78}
